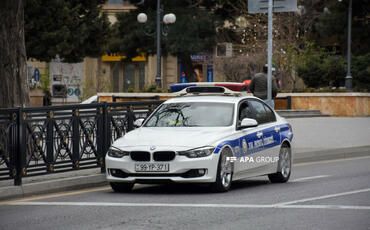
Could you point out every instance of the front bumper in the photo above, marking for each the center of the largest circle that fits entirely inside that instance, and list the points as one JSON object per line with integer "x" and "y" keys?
{"x": 181, "y": 170}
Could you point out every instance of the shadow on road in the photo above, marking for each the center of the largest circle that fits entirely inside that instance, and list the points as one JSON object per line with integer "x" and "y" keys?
{"x": 194, "y": 188}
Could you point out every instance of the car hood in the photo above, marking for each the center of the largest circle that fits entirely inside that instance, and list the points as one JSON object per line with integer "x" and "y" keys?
{"x": 187, "y": 137}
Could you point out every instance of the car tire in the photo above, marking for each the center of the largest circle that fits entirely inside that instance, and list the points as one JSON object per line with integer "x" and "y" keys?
{"x": 121, "y": 187}
{"x": 225, "y": 170}
{"x": 284, "y": 166}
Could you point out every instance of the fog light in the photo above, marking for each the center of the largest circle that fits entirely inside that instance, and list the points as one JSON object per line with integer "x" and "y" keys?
{"x": 201, "y": 172}
{"x": 194, "y": 173}
{"x": 118, "y": 173}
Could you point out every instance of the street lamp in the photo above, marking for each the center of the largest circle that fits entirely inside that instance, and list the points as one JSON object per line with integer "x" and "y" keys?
{"x": 162, "y": 29}
{"x": 348, "y": 81}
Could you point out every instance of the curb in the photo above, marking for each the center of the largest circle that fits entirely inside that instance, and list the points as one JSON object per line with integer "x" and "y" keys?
{"x": 88, "y": 181}
{"x": 57, "y": 185}
{"x": 332, "y": 154}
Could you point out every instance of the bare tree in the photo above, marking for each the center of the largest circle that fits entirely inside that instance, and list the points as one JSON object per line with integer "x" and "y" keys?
{"x": 239, "y": 68}
{"x": 14, "y": 88}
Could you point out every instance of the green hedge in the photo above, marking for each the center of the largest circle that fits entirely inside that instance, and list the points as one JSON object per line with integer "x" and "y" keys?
{"x": 318, "y": 71}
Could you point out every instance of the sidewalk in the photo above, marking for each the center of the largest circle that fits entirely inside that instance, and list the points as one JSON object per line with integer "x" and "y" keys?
{"x": 323, "y": 138}
{"x": 315, "y": 139}
{"x": 57, "y": 182}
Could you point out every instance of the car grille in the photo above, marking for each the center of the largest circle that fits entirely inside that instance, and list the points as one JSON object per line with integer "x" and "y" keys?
{"x": 140, "y": 156}
{"x": 164, "y": 156}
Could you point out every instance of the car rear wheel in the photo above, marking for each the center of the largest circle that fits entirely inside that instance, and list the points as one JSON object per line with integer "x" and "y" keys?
{"x": 121, "y": 187}
{"x": 284, "y": 166}
{"x": 225, "y": 171}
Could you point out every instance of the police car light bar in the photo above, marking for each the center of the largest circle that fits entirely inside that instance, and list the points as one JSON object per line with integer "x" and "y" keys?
{"x": 233, "y": 86}
{"x": 207, "y": 90}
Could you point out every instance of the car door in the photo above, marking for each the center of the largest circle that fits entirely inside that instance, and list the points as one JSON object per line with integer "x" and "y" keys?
{"x": 271, "y": 136}
{"x": 250, "y": 139}
{"x": 268, "y": 132}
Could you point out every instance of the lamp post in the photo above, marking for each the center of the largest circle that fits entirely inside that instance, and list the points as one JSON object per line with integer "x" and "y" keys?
{"x": 348, "y": 79}
{"x": 162, "y": 29}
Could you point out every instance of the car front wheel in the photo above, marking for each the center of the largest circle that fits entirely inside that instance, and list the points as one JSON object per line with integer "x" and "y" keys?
{"x": 224, "y": 172}
{"x": 284, "y": 166}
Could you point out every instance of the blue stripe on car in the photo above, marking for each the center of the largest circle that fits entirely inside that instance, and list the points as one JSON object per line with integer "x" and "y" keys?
{"x": 255, "y": 144}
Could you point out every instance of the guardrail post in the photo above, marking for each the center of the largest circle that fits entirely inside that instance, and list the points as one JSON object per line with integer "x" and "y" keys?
{"x": 20, "y": 157}
{"x": 150, "y": 109}
{"x": 102, "y": 135}
{"x": 289, "y": 102}
{"x": 130, "y": 118}
{"x": 76, "y": 139}
{"x": 50, "y": 142}
{"x": 13, "y": 148}
{"x": 107, "y": 134}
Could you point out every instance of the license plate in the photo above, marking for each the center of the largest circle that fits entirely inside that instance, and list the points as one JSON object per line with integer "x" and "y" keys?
{"x": 152, "y": 167}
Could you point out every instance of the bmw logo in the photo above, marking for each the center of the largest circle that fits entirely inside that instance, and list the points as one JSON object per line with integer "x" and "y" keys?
{"x": 152, "y": 147}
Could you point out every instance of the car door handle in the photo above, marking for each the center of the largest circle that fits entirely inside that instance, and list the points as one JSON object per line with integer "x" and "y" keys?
{"x": 259, "y": 134}
{"x": 277, "y": 129}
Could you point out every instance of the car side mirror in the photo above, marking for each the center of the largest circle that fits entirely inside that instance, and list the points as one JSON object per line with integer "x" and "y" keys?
{"x": 138, "y": 122}
{"x": 248, "y": 123}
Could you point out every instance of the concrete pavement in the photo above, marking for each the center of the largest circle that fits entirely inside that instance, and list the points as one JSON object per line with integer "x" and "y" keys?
{"x": 323, "y": 138}
{"x": 320, "y": 138}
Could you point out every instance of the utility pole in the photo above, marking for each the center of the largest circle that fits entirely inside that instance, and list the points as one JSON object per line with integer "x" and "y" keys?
{"x": 269, "y": 54}
{"x": 348, "y": 81}
{"x": 158, "y": 77}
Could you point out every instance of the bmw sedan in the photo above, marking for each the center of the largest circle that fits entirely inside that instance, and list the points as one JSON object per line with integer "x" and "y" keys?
{"x": 211, "y": 137}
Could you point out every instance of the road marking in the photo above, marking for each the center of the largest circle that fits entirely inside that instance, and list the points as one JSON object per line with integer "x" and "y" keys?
{"x": 323, "y": 197}
{"x": 350, "y": 207}
{"x": 310, "y": 178}
{"x": 330, "y": 161}
{"x": 57, "y": 195}
{"x": 184, "y": 205}
{"x": 116, "y": 204}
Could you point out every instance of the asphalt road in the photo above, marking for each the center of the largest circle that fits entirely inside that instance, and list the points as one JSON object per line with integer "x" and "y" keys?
{"x": 321, "y": 195}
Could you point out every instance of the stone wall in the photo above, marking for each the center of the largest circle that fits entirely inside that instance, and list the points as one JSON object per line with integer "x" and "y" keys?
{"x": 334, "y": 104}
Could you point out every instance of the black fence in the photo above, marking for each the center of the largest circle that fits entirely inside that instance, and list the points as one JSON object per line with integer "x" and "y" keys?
{"x": 36, "y": 141}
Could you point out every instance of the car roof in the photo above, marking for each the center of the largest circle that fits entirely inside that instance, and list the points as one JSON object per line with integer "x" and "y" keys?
{"x": 208, "y": 98}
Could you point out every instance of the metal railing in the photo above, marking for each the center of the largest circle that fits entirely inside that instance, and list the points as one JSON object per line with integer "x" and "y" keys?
{"x": 42, "y": 140}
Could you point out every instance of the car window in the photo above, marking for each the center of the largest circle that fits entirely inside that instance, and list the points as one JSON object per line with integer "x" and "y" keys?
{"x": 270, "y": 115}
{"x": 259, "y": 112}
{"x": 192, "y": 114}
{"x": 245, "y": 111}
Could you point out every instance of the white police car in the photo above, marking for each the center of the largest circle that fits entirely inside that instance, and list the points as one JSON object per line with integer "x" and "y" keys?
{"x": 207, "y": 135}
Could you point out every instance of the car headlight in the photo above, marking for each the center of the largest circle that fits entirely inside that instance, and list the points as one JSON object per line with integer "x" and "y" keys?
{"x": 198, "y": 152}
{"x": 117, "y": 153}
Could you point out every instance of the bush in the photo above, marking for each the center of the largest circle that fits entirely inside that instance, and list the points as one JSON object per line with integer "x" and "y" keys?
{"x": 153, "y": 89}
{"x": 334, "y": 71}
{"x": 312, "y": 73}
{"x": 310, "y": 65}
{"x": 319, "y": 69}
{"x": 360, "y": 71}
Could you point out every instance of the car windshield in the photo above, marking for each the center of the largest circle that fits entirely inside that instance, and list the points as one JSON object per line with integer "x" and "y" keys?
{"x": 201, "y": 114}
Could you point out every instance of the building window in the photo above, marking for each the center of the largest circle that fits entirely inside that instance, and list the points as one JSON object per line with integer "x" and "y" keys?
{"x": 115, "y": 2}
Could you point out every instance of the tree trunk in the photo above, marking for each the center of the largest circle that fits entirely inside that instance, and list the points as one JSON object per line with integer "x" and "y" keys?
{"x": 187, "y": 64}
{"x": 14, "y": 88}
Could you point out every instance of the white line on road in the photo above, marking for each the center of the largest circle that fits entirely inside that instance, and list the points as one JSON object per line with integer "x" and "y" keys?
{"x": 351, "y": 207}
{"x": 105, "y": 204}
{"x": 323, "y": 197}
{"x": 116, "y": 204}
{"x": 310, "y": 178}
